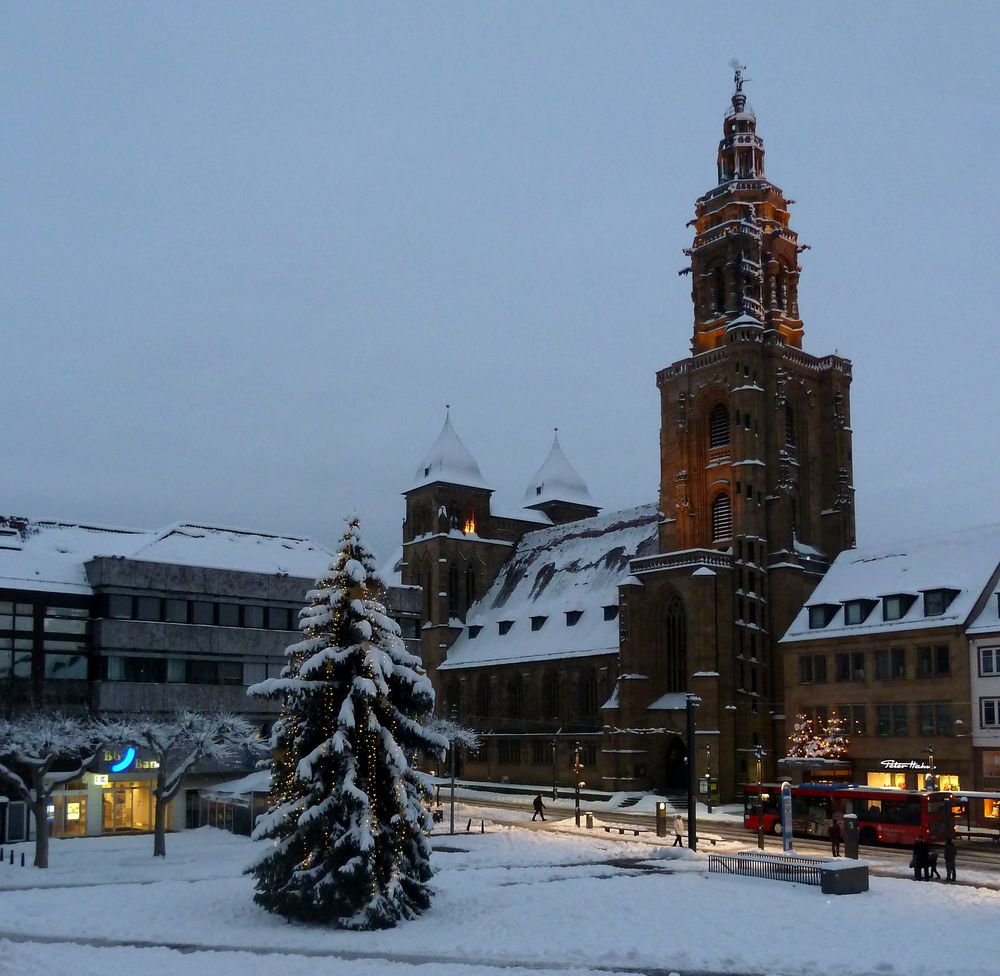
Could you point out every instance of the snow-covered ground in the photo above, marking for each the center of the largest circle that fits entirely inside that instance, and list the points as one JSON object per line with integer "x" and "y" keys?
{"x": 550, "y": 900}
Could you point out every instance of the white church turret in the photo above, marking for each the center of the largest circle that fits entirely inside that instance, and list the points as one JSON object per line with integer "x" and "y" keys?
{"x": 558, "y": 490}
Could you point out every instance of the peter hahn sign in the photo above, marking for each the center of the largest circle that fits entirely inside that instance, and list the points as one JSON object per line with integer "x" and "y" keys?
{"x": 906, "y": 764}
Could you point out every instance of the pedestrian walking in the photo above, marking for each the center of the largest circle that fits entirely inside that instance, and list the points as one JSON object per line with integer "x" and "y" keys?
{"x": 949, "y": 859}
{"x": 539, "y": 807}
{"x": 836, "y": 836}
{"x": 678, "y": 831}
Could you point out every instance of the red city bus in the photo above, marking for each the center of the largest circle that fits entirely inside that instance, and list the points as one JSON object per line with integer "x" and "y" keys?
{"x": 885, "y": 816}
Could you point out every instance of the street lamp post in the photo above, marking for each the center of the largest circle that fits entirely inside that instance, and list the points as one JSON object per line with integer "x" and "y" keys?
{"x": 576, "y": 780}
{"x": 692, "y": 784}
{"x": 708, "y": 774}
{"x": 759, "y": 755}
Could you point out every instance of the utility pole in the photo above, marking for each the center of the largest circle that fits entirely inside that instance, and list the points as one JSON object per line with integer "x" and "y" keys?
{"x": 692, "y": 702}
{"x": 576, "y": 779}
{"x": 555, "y": 766}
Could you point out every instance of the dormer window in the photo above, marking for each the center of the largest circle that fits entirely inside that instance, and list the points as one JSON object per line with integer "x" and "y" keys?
{"x": 427, "y": 471}
{"x": 538, "y": 490}
{"x": 538, "y": 622}
{"x": 474, "y": 631}
{"x": 896, "y": 605}
{"x": 821, "y": 614}
{"x": 573, "y": 617}
{"x": 857, "y": 611}
{"x": 504, "y": 626}
{"x": 611, "y": 612}
{"x": 937, "y": 601}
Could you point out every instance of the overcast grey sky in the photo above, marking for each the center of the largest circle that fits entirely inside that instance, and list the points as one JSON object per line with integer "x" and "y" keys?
{"x": 251, "y": 249}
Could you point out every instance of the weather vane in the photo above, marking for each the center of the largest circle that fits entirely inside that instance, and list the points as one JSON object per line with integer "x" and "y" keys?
{"x": 738, "y": 70}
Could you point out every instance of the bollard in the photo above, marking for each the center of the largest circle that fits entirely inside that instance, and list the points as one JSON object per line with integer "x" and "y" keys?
{"x": 661, "y": 819}
{"x": 22, "y": 859}
{"x": 1, "y": 855}
{"x": 482, "y": 826}
{"x": 12, "y": 855}
{"x": 590, "y": 821}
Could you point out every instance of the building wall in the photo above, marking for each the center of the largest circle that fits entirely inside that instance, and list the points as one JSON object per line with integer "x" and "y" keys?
{"x": 952, "y": 746}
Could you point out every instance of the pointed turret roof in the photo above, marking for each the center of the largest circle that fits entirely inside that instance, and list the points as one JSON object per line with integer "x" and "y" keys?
{"x": 557, "y": 481}
{"x": 449, "y": 460}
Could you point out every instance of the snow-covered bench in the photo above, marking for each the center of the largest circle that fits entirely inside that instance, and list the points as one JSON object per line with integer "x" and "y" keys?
{"x": 625, "y": 828}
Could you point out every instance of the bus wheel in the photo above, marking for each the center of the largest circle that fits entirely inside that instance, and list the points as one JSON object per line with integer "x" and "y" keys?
{"x": 867, "y": 836}
{"x": 776, "y": 829}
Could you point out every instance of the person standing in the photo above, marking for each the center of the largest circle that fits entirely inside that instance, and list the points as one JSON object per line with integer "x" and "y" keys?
{"x": 949, "y": 859}
{"x": 678, "y": 831}
{"x": 836, "y": 836}
{"x": 920, "y": 861}
{"x": 539, "y": 807}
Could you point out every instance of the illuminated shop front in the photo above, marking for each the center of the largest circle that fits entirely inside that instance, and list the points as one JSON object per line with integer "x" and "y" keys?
{"x": 912, "y": 774}
{"x": 116, "y": 798}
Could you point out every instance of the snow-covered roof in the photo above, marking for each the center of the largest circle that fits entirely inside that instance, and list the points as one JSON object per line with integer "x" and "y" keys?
{"x": 557, "y": 480}
{"x": 672, "y": 701}
{"x": 49, "y": 554}
{"x": 214, "y": 547}
{"x": 987, "y": 621}
{"x": 448, "y": 460}
{"x": 565, "y": 574}
{"x": 965, "y": 562}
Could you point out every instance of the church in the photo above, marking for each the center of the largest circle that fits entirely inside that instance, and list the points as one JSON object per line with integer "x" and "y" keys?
{"x": 566, "y": 633}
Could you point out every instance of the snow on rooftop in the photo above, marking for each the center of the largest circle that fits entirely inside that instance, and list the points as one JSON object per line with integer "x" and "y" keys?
{"x": 242, "y": 550}
{"x": 51, "y": 554}
{"x": 988, "y": 619}
{"x": 557, "y": 480}
{"x": 965, "y": 561}
{"x": 448, "y": 460}
{"x": 566, "y": 569}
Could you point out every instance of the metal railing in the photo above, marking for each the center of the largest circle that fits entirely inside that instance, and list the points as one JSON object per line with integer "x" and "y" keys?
{"x": 774, "y": 867}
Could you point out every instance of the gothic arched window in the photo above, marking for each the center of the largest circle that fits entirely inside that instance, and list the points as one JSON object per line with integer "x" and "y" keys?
{"x": 586, "y": 697}
{"x": 676, "y": 646}
{"x": 454, "y": 610}
{"x": 718, "y": 426}
{"x": 483, "y": 697}
{"x": 470, "y": 587}
{"x": 790, "y": 440}
{"x": 515, "y": 697}
{"x": 718, "y": 292}
{"x": 453, "y": 698}
{"x": 550, "y": 694}
{"x": 722, "y": 517}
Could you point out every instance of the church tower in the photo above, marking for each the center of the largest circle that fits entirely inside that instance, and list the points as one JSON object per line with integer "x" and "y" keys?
{"x": 756, "y": 492}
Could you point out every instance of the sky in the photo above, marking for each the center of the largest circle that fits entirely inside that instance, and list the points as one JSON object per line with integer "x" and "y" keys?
{"x": 251, "y": 250}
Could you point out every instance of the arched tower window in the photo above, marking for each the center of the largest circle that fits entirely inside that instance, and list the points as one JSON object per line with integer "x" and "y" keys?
{"x": 718, "y": 426}
{"x": 483, "y": 697}
{"x": 550, "y": 694}
{"x": 470, "y": 587}
{"x": 454, "y": 610}
{"x": 515, "y": 697}
{"x": 676, "y": 646}
{"x": 586, "y": 689}
{"x": 718, "y": 292}
{"x": 722, "y": 518}
{"x": 780, "y": 289}
{"x": 790, "y": 438}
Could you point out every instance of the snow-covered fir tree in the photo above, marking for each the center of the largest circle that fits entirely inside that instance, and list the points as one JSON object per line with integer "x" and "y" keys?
{"x": 348, "y": 814}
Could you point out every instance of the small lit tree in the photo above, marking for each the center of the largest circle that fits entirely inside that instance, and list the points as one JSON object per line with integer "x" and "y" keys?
{"x": 801, "y": 737}
{"x": 806, "y": 741}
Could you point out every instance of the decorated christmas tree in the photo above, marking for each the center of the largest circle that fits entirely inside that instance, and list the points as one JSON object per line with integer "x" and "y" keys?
{"x": 347, "y": 819}
{"x": 807, "y": 742}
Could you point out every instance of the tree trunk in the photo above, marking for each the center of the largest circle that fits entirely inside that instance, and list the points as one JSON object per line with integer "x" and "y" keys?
{"x": 41, "y": 833}
{"x": 159, "y": 818}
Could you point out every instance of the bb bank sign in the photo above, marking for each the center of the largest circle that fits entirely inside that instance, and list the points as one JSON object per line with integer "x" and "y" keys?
{"x": 125, "y": 760}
